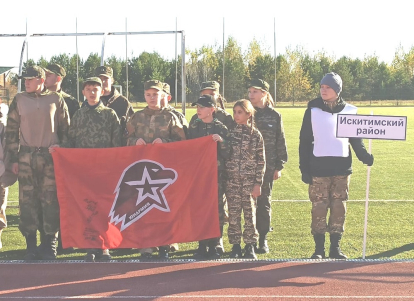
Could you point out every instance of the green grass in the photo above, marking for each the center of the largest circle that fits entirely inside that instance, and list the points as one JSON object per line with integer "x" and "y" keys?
{"x": 390, "y": 231}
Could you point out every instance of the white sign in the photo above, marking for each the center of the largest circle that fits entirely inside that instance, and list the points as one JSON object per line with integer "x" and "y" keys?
{"x": 371, "y": 127}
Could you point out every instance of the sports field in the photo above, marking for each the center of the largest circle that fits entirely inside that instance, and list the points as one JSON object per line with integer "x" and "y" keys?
{"x": 390, "y": 229}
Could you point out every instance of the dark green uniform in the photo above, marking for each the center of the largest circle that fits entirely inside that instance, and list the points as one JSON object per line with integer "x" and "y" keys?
{"x": 269, "y": 123}
{"x": 71, "y": 103}
{"x": 180, "y": 117}
{"x": 222, "y": 116}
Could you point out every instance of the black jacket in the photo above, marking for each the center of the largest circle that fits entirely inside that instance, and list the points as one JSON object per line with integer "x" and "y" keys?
{"x": 326, "y": 166}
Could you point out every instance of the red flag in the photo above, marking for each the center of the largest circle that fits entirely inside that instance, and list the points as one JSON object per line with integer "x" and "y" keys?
{"x": 138, "y": 196}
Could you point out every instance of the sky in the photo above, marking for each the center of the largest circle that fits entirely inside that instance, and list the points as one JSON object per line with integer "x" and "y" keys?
{"x": 339, "y": 28}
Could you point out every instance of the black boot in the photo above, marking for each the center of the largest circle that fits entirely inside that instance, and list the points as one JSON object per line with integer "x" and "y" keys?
{"x": 335, "y": 251}
{"x": 249, "y": 252}
{"x": 202, "y": 250}
{"x": 263, "y": 247}
{"x": 31, "y": 245}
{"x": 49, "y": 247}
{"x": 163, "y": 252}
{"x": 319, "y": 246}
{"x": 236, "y": 251}
{"x": 213, "y": 245}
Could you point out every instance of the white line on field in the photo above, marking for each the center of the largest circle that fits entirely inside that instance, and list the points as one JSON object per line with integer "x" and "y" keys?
{"x": 347, "y": 201}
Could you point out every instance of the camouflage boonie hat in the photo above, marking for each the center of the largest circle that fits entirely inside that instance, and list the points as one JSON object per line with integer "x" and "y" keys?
{"x": 205, "y": 101}
{"x": 210, "y": 85}
{"x": 154, "y": 84}
{"x": 166, "y": 88}
{"x": 92, "y": 80}
{"x": 259, "y": 84}
{"x": 104, "y": 71}
{"x": 33, "y": 72}
{"x": 56, "y": 69}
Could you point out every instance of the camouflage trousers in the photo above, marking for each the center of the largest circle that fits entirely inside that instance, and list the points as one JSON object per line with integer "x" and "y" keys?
{"x": 264, "y": 201}
{"x": 239, "y": 198}
{"x": 39, "y": 207}
{"x": 328, "y": 193}
{"x": 3, "y": 205}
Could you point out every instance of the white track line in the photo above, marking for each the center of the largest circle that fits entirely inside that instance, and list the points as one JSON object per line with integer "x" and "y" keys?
{"x": 214, "y": 296}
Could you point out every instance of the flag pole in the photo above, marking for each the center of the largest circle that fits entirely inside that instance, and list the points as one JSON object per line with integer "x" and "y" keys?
{"x": 366, "y": 202}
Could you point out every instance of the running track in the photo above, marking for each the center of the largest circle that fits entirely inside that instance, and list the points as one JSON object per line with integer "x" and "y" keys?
{"x": 209, "y": 280}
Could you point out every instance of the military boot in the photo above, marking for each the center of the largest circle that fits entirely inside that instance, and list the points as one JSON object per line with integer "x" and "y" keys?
{"x": 335, "y": 251}
{"x": 319, "y": 246}
{"x": 1, "y": 245}
{"x": 31, "y": 244}
{"x": 202, "y": 250}
{"x": 48, "y": 251}
{"x": 213, "y": 246}
{"x": 163, "y": 252}
{"x": 236, "y": 251}
{"x": 249, "y": 252}
{"x": 263, "y": 248}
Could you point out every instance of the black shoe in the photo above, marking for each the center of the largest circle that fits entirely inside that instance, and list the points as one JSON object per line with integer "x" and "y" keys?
{"x": 213, "y": 253}
{"x": 249, "y": 252}
{"x": 163, "y": 253}
{"x": 202, "y": 251}
{"x": 104, "y": 255}
{"x": 236, "y": 251}
{"x": 30, "y": 256}
{"x": 145, "y": 256}
{"x": 31, "y": 249}
{"x": 90, "y": 256}
{"x": 263, "y": 247}
{"x": 336, "y": 253}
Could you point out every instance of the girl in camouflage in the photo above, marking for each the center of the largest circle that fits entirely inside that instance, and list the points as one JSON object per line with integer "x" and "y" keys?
{"x": 245, "y": 171}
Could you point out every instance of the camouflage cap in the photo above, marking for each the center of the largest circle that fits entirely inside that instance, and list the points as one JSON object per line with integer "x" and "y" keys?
{"x": 210, "y": 85}
{"x": 166, "y": 88}
{"x": 56, "y": 69}
{"x": 205, "y": 101}
{"x": 92, "y": 80}
{"x": 259, "y": 84}
{"x": 33, "y": 72}
{"x": 154, "y": 84}
{"x": 104, "y": 71}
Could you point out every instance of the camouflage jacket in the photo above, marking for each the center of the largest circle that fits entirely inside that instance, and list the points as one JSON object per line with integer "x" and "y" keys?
{"x": 198, "y": 129}
{"x": 180, "y": 117}
{"x": 28, "y": 126}
{"x": 222, "y": 116}
{"x": 247, "y": 154}
{"x": 96, "y": 127}
{"x": 269, "y": 123}
{"x": 71, "y": 102}
{"x": 119, "y": 104}
{"x": 152, "y": 124}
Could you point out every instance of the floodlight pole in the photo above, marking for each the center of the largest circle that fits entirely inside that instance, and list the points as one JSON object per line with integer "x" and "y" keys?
{"x": 126, "y": 57}
{"x": 19, "y": 82}
{"x": 176, "y": 65}
{"x": 274, "y": 32}
{"x": 183, "y": 83}
{"x": 77, "y": 62}
{"x": 103, "y": 48}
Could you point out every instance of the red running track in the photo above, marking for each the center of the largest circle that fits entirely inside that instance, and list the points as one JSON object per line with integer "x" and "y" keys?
{"x": 210, "y": 280}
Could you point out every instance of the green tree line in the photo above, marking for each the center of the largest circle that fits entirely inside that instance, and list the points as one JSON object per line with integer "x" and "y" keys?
{"x": 298, "y": 72}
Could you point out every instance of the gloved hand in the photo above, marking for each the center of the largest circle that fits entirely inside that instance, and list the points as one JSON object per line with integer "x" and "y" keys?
{"x": 307, "y": 178}
{"x": 370, "y": 160}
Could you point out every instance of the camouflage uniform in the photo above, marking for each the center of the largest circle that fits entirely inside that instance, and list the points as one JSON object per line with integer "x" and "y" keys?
{"x": 222, "y": 116}
{"x": 71, "y": 103}
{"x": 269, "y": 123}
{"x": 152, "y": 124}
{"x": 180, "y": 117}
{"x": 199, "y": 129}
{"x": 95, "y": 127}
{"x": 37, "y": 188}
{"x": 245, "y": 168}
